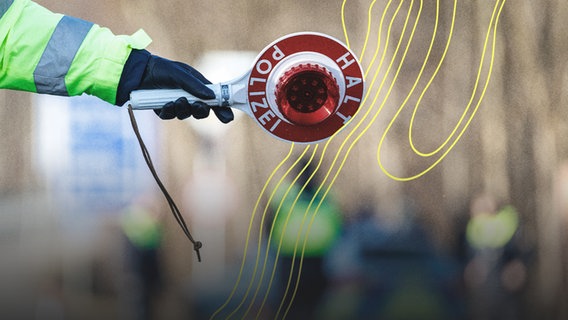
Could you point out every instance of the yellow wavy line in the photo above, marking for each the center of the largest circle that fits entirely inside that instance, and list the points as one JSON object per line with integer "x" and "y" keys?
{"x": 239, "y": 277}
{"x": 369, "y": 19}
{"x": 261, "y": 226}
{"x": 286, "y": 225}
{"x": 298, "y": 236}
{"x": 379, "y": 33}
{"x": 337, "y": 155}
{"x": 493, "y": 23}
{"x": 426, "y": 89}
{"x": 263, "y": 270}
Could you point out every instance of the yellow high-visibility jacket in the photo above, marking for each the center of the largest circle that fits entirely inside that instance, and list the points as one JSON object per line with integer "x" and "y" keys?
{"x": 45, "y": 52}
{"x": 304, "y": 224}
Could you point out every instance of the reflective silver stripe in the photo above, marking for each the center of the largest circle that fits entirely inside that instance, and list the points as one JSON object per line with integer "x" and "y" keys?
{"x": 4, "y": 5}
{"x": 49, "y": 75}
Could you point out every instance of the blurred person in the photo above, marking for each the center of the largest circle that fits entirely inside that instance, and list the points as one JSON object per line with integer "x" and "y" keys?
{"x": 50, "y": 53}
{"x": 496, "y": 268}
{"x": 143, "y": 280}
{"x": 389, "y": 270}
{"x": 560, "y": 204}
{"x": 50, "y": 304}
{"x": 291, "y": 222}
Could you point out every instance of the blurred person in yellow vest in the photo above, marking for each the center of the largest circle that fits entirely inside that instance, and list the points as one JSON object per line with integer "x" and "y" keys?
{"x": 496, "y": 270}
{"x": 143, "y": 233}
{"x": 305, "y": 227}
{"x": 49, "y": 53}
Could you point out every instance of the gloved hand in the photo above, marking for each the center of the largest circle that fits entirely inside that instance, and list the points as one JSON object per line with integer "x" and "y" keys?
{"x": 160, "y": 73}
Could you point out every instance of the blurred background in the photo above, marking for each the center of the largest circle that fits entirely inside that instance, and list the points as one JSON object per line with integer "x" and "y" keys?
{"x": 84, "y": 232}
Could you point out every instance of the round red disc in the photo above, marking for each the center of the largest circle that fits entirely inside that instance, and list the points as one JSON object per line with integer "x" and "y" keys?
{"x": 308, "y": 106}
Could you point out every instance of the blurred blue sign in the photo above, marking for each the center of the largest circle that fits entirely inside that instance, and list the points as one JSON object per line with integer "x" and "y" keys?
{"x": 89, "y": 154}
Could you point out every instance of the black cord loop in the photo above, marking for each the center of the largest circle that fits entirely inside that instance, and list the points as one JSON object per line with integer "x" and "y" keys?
{"x": 173, "y": 207}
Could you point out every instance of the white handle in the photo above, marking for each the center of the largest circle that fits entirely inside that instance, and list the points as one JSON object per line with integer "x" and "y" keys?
{"x": 156, "y": 98}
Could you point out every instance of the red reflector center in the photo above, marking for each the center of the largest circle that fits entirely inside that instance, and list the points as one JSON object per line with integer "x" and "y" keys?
{"x": 307, "y": 94}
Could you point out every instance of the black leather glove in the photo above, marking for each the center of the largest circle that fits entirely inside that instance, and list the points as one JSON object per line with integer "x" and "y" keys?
{"x": 154, "y": 72}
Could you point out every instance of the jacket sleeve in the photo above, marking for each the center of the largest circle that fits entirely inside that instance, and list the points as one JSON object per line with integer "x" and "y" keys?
{"x": 50, "y": 53}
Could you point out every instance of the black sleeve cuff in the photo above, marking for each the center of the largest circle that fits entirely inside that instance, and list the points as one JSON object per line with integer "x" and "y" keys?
{"x": 131, "y": 75}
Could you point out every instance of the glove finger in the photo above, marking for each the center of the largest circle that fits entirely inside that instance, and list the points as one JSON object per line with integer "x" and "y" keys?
{"x": 195, "y": 73}
{"x": 188, "y": 82}
{"x": 200, "y": 110}
{"x": 183, "y": 108}
{"x": 224, "y": 114}
{"x": 167, "y": 112}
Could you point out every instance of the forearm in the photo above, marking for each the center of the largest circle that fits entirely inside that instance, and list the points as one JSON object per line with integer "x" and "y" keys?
{"x": 45, "y": 52}
{"x": 50, "y": 53}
